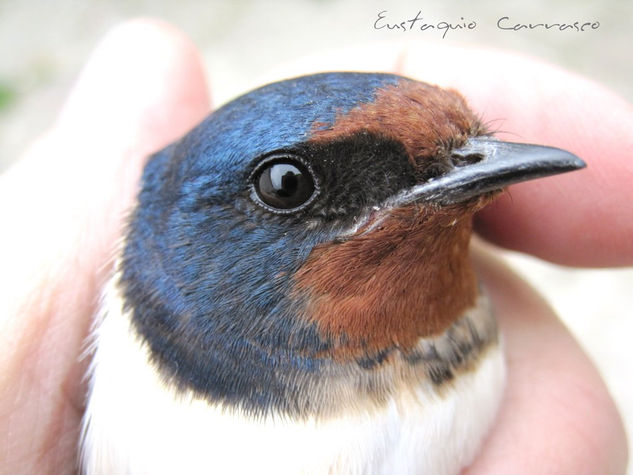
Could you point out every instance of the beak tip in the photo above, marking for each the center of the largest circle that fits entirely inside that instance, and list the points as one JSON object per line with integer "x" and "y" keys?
{"x": 579, "y": 163}
{"x": 567, "y": 162}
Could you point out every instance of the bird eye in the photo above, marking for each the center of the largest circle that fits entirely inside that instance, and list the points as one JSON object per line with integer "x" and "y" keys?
{"x": 284, "y": 184}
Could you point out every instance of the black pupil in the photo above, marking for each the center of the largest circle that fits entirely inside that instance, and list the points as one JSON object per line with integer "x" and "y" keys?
{"x": 284, "y": 185}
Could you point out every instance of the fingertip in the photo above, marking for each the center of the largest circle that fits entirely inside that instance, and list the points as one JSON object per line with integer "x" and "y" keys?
{"x": 144, "y": 81}
{"x": 143, "y": 87}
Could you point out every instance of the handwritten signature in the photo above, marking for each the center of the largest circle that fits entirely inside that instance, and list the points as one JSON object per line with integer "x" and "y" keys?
{"x": 503, "y": 23}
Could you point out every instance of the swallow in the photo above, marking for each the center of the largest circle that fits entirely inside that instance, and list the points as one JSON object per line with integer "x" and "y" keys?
{"x": 294, "y": 292}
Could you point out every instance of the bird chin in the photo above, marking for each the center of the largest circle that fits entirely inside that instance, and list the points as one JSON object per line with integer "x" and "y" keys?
{"x": 366, "y": 222}
{"x": 376, "y": 215}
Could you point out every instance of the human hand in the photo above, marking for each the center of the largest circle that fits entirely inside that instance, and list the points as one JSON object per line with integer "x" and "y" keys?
{"x": 63, "y": 207}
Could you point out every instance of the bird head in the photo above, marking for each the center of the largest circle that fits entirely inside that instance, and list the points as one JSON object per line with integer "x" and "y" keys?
{"x": 312, "y": 224}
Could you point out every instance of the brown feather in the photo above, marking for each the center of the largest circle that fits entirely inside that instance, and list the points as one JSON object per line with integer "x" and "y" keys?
{"x": 427, "y": 120}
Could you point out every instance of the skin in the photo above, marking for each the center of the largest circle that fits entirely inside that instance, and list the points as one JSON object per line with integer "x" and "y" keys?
{"x": 63, "y": 204}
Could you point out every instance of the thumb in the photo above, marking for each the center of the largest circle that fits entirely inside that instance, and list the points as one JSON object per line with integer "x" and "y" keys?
{"x": 62, "y": 208}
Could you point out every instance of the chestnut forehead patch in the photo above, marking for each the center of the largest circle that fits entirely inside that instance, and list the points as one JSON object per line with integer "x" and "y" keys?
{"x": 428, "y": 121}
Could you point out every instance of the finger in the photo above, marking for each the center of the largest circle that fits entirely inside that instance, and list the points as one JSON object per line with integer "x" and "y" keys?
{"x": 583, "y": 218}
{"x": 556, "y": 416}
{"x": 62, "y": 212}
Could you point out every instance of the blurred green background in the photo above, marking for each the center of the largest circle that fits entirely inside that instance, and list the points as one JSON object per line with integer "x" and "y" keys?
{"x": 43, "y": 45}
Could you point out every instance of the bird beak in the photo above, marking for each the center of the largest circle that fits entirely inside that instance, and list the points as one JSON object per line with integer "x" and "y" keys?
{"x": 485, "y": 164}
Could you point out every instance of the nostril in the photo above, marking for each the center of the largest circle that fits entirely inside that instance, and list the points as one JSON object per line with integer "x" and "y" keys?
{"x": 436, "y": 169}
{"x": 462, "y": 159}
